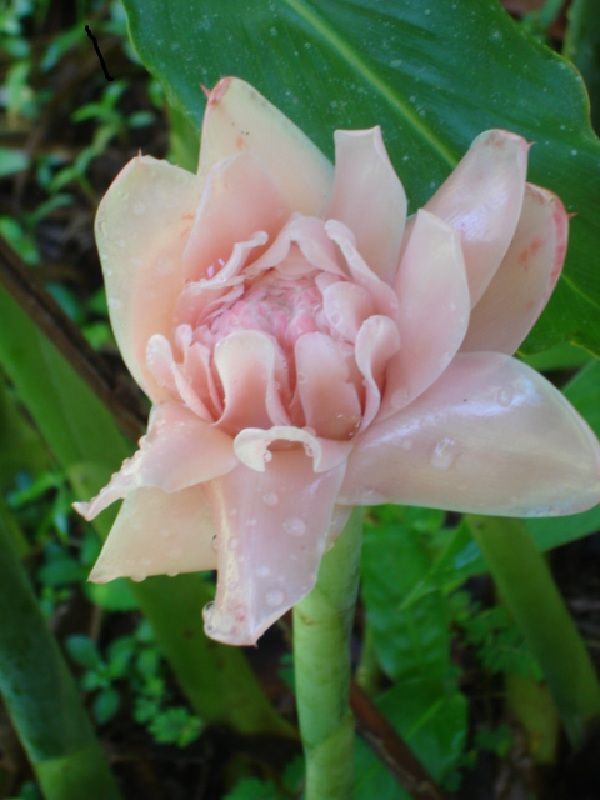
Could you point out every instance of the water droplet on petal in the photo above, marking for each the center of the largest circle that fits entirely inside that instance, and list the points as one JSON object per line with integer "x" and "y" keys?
{"x": 444, "y": 453}
{"x": 504, "y": 397}
{"x": 274, "y": 597}
{"x": 294, "y": 526}
{"x": 270, "y": 499}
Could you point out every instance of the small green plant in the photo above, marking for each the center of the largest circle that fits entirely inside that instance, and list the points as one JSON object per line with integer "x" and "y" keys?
{"x": 132, "y": 667}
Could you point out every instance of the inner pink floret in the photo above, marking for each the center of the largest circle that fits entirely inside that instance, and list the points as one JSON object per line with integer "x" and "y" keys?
{"x": 272, "y": 337}
{"x": 284, "y": 308}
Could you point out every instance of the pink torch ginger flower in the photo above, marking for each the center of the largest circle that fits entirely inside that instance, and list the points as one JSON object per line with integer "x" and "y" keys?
{"x": 306, "y": 349}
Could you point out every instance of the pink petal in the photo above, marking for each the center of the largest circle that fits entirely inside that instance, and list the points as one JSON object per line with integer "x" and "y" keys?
{"x": 239, "y": 119}
{"x": 314, "y": 245}
{"x": 179, "y": 450}
{"x": 157, "y": 533}
{"x": 200, "y": 298}
{"x": 324, "y": 384}
{"x": 251, "y": 447}
{"x": 491, "y": 436}
{"x": 524, "y": 281}
{"x": 272, "y": 528}
{"x": 173, "y": 376}
{"x": 433, "y": 310}
{"x": 482, "y": 199}
{"x": 346, "y": 306}
{"x": 239, "y": 198}
{"x": 383, "y": 295}
{"x": 252, "y": 369}
{"x": 141, "y": 228}
{"x": 377, "y": 341}
{"x": 369, "y": 198}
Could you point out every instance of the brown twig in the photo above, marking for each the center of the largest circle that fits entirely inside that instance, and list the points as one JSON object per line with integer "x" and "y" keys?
{"x": 392, "y": 750}
{"x": 16, "y": 277}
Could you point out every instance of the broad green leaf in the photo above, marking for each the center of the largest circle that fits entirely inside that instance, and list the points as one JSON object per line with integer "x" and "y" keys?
{"x": 582, "y": 46}
{"x": 584, "y": 393}
{"x": 561, "y": 356}
{"x": 22, "y": 448}
{"x": 87, "y": 443}
{"x": 432, "y": 74}
{"x": 41, "y": 696}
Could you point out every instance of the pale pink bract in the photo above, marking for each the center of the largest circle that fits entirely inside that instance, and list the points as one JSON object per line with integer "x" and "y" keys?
{"x": 306, "y": 349}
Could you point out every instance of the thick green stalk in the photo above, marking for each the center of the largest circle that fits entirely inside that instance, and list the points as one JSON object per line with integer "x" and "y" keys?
{"x": 41, "y": 696}
{"x": 322, "y": 625}
{"x": 528, "y": 589}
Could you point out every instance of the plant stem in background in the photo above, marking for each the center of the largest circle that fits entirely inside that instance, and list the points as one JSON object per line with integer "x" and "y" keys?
{"x": 322, "y": 626}
{"x": 41, "y": 696}
{"x": 528, "y": 589}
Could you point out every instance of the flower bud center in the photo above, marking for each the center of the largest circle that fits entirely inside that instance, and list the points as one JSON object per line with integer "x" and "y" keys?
{"x": 284, "y": 307}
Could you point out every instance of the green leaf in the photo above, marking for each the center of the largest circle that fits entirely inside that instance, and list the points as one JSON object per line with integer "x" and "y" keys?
{"x": 410, "y": 632}
{"x": 114, "y": 596}
{"x": 176, "y": 726}
{"x": 119, "y": 656}
{"x": 11, "y": 161}
{"x": 83, "y": 651}
{"x": 373, "y": 778}
{"x": 106, "y": 704}
{"x": 41, "y": 696}
{"x": 22, "y": 447}
{"x": 61, "y": 570}
{"x": 432, "y": 74}
{"x": 582, "y": 46}
{"x": 561, "y": 356}
{"x": 414, "y": 642}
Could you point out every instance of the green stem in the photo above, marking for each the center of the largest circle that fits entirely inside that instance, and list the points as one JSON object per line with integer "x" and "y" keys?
{"x": 367, "y": 671}
{"x": 41, "y": 696}
{"x": 528, "y": 589}
{"x": 322, "y": 625}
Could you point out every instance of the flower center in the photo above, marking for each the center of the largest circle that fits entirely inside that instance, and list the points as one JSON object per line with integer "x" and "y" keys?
{"x": 285, "y": 308}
